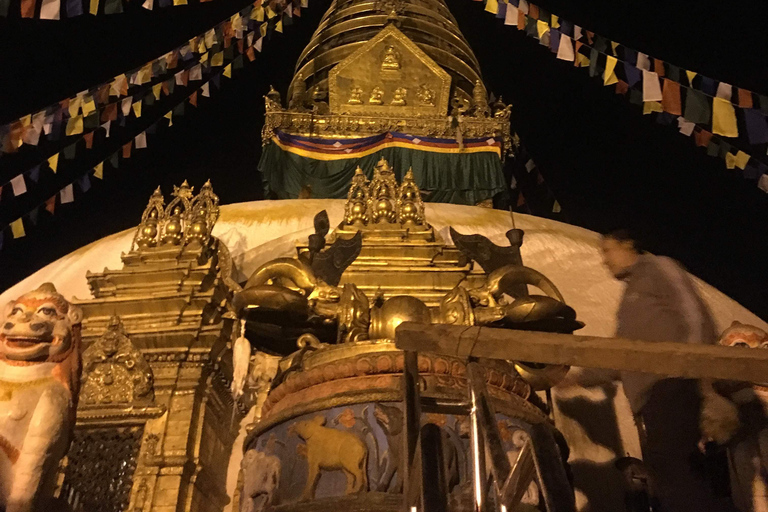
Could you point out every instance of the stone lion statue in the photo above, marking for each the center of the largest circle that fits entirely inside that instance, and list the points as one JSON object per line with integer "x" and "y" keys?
{"x": 39, "y": 381}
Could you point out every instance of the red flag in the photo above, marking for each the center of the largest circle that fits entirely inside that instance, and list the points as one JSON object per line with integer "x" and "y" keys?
{"x": 50, "y": 204}
{"x": 193, "y": 99}
{"x": 520, "y": 20}
{"x": 520, "y": 199}
{"x": 670, "y": 97}
{"x": 28, "y": 8}
{"x": 109, "y": 113}
{"x": 127, "y": 149}
{"x": 590, "y": 37}
{"x": 533, "y": 11}
{"x": 240, "y": 45}
{"x": 745, "y": 98}
{"x": 251, "y": 54}
{"x": 622, "y": 87}
{"x": 703, "y": 137}
{"x": 658, "y": 67}
{"x": 88, "y": 140}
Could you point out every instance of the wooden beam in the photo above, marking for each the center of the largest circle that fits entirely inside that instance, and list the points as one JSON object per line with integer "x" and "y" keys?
{"x": 663, "y": 358}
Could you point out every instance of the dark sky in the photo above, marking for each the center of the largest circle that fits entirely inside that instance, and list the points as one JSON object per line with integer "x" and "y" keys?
{"x": 607, "y": 164}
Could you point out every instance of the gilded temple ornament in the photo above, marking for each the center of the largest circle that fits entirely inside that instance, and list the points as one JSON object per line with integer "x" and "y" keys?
{"x": 273, "y": 100}
{"x": 176, "y": 211}
{"x": 154, "y": 213}
{"x": 398, "y": 98}
{"x": 426, "y": 96}
{"x": 383, "y": 194}
{"x": 299, "y": 96}
{"x": 376, "y": 96}
{"x": 355, "y": 96}
{"x": 410, "y": 207}
{"x": 480, "y": 100}
{"x": 356, "y": 208}
{"x": 114, "y": 371}
{"x": 204, "y": 210}
{"x": 391, "y": 59}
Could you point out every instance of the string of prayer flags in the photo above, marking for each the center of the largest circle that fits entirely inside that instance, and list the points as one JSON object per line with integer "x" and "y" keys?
{"x": 724, "y": 118}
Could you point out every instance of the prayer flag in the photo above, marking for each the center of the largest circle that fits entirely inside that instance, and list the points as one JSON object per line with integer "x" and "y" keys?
{"x": 156, "y": 89}
{"x": 74, "y": 8}
{"x": 492, "y": 6}
{"x": 520, "y": 19}
{"x": 127, "y": 149}
{"x": 137, "y": 109}
{"x": 74, "y": 125}
{"x": 50, "y": 10}
{"x": 691, "y": 75}
{"x": 651, "y": 87}
{"x": 50, "y": 204}
{"x": 228, "y": 71}
{"x": 686, "y": 127}
{"x": 724, "y": 91}
{"x": 206, "y": 89}
{"x": 113, "y": 7}
{"x": 98, "y": 171}
{"x": 671, "y": 97}
{"x": 106, "y": 127}
{"x": 730, "y": 160}
{"x": 217, "y": 59}
{"x": 28, "y": 8}
{"x": 762, "y": 183}
{"x": 84, "y": 183}
{"x": 556, "y": 207}
{"x": 279, "y": 26}
{"x": 17, "y": 228}
{"x": 609, "y": 75}
{"x": 565, "y": 48}
{"x": 53, "y": 162}
{"x": 757, "y": 126}
{"x": 745, "y": 98}
{"x": 724, "y": 118}
{"x": 523, "y": 6}
{"x": 34, "y": 173}
{"x": 622, "y": 87}
{"x": 703, "y": 137}
{"x": 651, "y": 106}
{"x": 196, "y": 73}
{"x": 697, "y": 108}
{"x": 643, "y": 62}
{"x": 192, "y": 100}
{"x": 541, "y": 28}
{"x": 741, "y": 159}
{"x": 658, "y": 67}
{"x": 67, "y": 194}
{"x": 141, "y": 140}
{"x": 510, "y": 17}
{"x": 18, "y": 185}
{"x": 148, "y": 4}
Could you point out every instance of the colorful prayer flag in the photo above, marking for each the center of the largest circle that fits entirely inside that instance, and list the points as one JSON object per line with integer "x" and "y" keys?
{"x": 724, "y": 118}
{"x": 651, "y": 87}
{"x": 17, "y": 228}
{"x": 67, "y": 194}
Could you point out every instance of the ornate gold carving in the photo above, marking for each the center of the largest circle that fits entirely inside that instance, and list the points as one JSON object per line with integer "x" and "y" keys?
{"x": 398, "y": 97}
{"x": 355, "y": 210}
{"x": 154, "y": 213}
{"x": 391, "y": 59}
{"x": 299, "y": 97}
{"x": 175, "y": 212}
{"x": 410, "y": 207}
{"x": 355, "y": 96}
{"x": 204, "y": 212}
{"x": 376, "y": 96}
{"x": 480, "y": 99}
{"x": 456, "y": 308}
{"x": 114, "y": 371}
{"x": 272, "y": 100}
{"x": 383, "y": 194}
{"x": 388, "y": 65}
{"x": 426, "y": 95}
{"x": 354, "y": 314}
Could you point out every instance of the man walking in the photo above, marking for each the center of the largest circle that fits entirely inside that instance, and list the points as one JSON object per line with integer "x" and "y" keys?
{"x": 660, "y": 303}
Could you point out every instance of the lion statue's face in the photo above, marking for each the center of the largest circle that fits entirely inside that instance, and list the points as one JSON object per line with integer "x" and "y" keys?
{"x": 38, "y": 326}
{"x": 744, "y": 335}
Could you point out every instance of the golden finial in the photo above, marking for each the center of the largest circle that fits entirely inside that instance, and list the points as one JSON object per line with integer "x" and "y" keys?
{"x": 154, "y": 213}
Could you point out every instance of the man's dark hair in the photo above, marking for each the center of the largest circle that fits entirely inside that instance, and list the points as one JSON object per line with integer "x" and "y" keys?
{"x": 625, "y": 235}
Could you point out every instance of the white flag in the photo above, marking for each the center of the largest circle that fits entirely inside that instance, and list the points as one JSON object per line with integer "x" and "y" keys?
{"x": 18, "y": 184}
{"x": 50, "y": 10}
{"x": 651, "y": 86}
{"x": 510, "y": 18}
{"x": 67, "y": 194}
{"x": 141, "y": 140}
{"x": 565, "y": 49}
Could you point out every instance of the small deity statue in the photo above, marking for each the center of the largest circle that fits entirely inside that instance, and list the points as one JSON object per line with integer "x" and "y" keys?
{"x": 398, "y": 98}
{"x": 272, "y": 100}
{"x": 355, "y": 96}
{"x": 39, "y": 385}
{"x": 391, "y": 60}
{"x": 426, "y": 96}
{"x": 376, "y": 96}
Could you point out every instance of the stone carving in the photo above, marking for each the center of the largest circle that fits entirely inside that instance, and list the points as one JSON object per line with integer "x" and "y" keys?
{"x": 39, "y": 384}
{"x": 328, "y": 449}
{"x": 115, "y": 372}
{"x": 262, "y": 477}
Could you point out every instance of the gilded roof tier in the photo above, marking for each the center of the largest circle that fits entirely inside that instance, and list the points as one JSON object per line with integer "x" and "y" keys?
{"x": 349, "y": 24}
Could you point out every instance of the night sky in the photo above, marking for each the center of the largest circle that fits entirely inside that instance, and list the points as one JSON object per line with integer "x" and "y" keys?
{"x": 607, "y": 164}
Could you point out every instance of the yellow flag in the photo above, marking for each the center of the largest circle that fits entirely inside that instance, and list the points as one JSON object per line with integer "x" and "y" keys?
{"x": 724, "y": 118}
{"x": 94, "y": 10}
{"x": 137, "y": 108}
{"x": 263, "y": 29}
{"x": 652, "y": 106}
{"x": 691, "y": 75}
{"x": 270, "y": 13}
{"x": 614, "y": 45}
{"x": 555, "y": 21}
{"x": 609, "y": 76}
{"x": 228, "y": 71}
{"x": 169, "y": 117}
{"x": 53, "y": 162}
{"x": 17, "y": 228}
{"x": 201, "y": 48}
{"x": 26, "y": 120}
{"x": 542, "y": 28}
{"x": 204, "y": 57}
{"x": 492, "y": 6}
{"x": 75, "y": 125}
{"x": 217, "y": 59}
{"x": 98, "y": 171}
{"x": 179, "y": 2}
{"x": 74, "y": 106}
{"x": 742, "y": 159}
{"x": 730, "y": 160}
{"x": 88, "y": 106}
{"x": 258, "y": 14}
{"x": 279, "y": 26}
{"x": 156, "y": 90}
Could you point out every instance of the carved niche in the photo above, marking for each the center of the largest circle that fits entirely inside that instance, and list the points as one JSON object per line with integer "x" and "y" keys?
{"x": 114, "y": 371}
{"x": 393, "y": 75}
